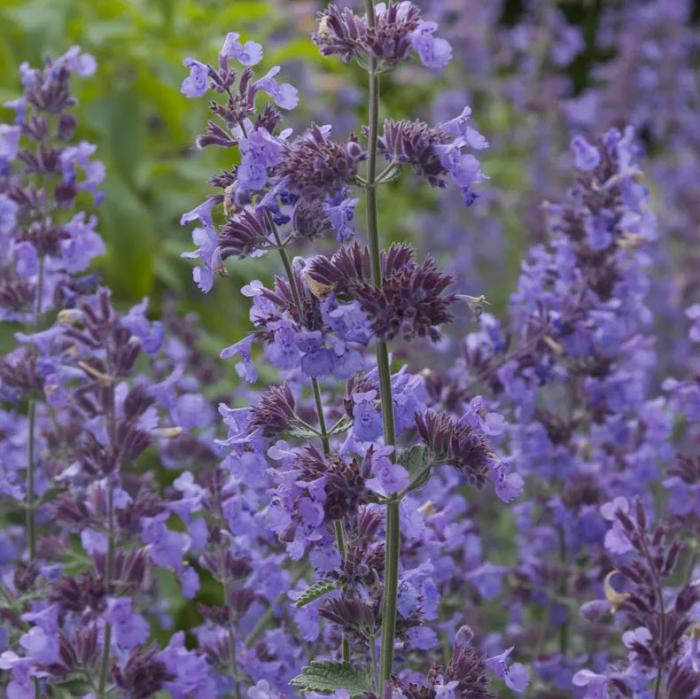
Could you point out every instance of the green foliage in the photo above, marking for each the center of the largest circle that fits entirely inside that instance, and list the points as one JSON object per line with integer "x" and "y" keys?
{"x": 144, "y": 128}
{"x": 417, "y": 463}
{"x": 314, "y": 592}
{"x": 327, "y": 676}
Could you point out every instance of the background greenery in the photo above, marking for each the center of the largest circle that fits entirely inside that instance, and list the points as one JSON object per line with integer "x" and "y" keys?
{"x": 145, "y": 129}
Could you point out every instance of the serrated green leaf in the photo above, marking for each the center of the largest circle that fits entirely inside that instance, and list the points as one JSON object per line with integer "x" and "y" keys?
{"x": 303, "y": 431}
{"x": 417, "y": 463}
{"x": 327, "y": 676}
{"x": 314, "y": 592}
{"x": 344, "y": 424}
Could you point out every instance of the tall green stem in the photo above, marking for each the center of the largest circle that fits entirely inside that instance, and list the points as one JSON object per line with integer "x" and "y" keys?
{"x": 31, "y": 415}
{"x": 392, "y": 548}
{"x": 325, "y": 438}
{"x": 109, "y": 563}
{"x": 223, "y": 556}
{"x": 31, "y": 521}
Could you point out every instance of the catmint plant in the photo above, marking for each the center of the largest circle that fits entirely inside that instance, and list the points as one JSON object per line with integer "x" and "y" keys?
{"x": 46, "y": 245}
{"x": 75, "y": 576}
{"x": 341, "y": 464}
{"x": 413, "y": 487}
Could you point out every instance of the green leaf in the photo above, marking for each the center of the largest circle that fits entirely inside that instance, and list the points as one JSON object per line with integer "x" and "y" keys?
{"x": 327, "y": 676}
{"x": 71, "y": 687}
{"x": 418, "y": 466}
{"x": 50, "y": 493}
{"x": 313, "y": 592}
{"x": 303, "y": 431}
{"x": 344, "y": 424}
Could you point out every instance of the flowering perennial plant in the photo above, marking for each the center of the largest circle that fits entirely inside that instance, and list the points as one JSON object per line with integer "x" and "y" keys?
{"x": 390, "y": 506}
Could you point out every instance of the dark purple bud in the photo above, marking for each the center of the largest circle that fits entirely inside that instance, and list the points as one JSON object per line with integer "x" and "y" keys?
{"x": 66, "y": 127}
{"x": 143, "y": 675}
{"x": 315, "y": 167}
{"x": 456, "y": 444}
{"x": 274, "y": 412}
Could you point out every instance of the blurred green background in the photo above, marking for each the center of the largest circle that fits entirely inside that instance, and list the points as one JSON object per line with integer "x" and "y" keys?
{"x": 145, "y": 129}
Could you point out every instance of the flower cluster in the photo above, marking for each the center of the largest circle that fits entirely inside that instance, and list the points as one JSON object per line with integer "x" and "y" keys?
{"x": 42, "y": 171}
{"x": 388, "y": 505}
{"x": 655, "y": 624}
{"x": 397, "y": 30}
{"x": 315, "y": 475}
{"x": 437, "y": 152}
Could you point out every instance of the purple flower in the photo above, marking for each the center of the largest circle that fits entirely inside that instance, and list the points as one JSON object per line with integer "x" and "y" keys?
{"x": 207, "y": 242}
{"x": 82, "y": 245}
{"x": 284, "y": 94}
{"x": 445, "y": 690}
{"x": 190, "y": 671}
{"x": 83, "y": 64}
{"x": 129, "y": 629}
{"x": 315, "y": 167}
{"x": 694, "y": 314}
{"x": 341, "y": 216}
{"x": 616, "y": 540}
{"x": 79, "y": 156}
{"x": 166, "y": 548}
{"x": 389, "y": 478}
{"x": 316, "y": 360}
{"x": 488, "y": 579}
{"x": 464, "y": 168}
{"x": 432, "y": 51}
{"x": 8, "y": 214}
{"x": 40, "y": 645}
{"x": 283, "y": 352}
{"x": 192, "y": 411}
{"x": 515, "y": 676}
{"x": 9, "y": 144}
{"x": 196, "y": 84}
{"x": 259, "y": 151}
{"x": 27, "y": 260}
{"x": 149, "y": 333}
{"x": 508, "y": 486}
{"x": 346, "y": 320}
{"x": 248, "y": 54}
{"x": 202, "y": 213}
{"x": 587, "y": 156}
{"x": 263, "y": 690}
{"x": 596, "y": 685}
{"x": 245, "y": 368}
{"x": 21, "y": 686}
{"x": 367, "y": 420}
{"x": 459, "y": 127}
{"x": 189, "y": 581}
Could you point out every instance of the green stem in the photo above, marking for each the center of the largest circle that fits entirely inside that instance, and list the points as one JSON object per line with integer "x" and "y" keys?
{"x": 229, "y": 628}
{"x": 321, "y": 417}
{"x": 325, "y": 439}
{"x": 659, "y": 592}
{"x": 109, "y": 563}
{"x": 39, "y": 289}
{"x": 391, "y": 584}
{"x": 373, "y": 659}
{"x": 392, "y": 547}
{"x": 31, "y": 521}
{"x": 31, "y": 414}
{"x": 564, "y": 628}
{"x": 109, "y": 566}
